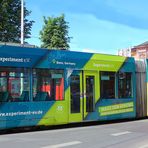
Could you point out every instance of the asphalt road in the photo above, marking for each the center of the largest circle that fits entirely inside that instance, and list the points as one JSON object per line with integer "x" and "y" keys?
{"x": 133, "y": 134}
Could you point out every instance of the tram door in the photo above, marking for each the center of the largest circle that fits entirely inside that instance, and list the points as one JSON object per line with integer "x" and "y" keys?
{"x": 82, "y": 95}
{"x": 91, "y": 92}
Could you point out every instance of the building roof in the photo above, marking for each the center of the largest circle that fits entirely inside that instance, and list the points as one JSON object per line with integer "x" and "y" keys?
{"x": 143, "y": 44}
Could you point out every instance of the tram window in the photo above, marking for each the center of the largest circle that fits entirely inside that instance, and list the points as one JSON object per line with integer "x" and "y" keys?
{"x": 75, "y": 93}
{"x": 48, "y": 85}
{"x": 124, "y": 85}
{"x": 14, "y": 84}
{"x": 90, "y": 94}
{"x": 107, "y": 85}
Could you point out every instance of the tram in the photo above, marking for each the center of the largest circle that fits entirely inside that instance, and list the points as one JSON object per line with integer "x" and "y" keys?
{"x": 52, "y": 87}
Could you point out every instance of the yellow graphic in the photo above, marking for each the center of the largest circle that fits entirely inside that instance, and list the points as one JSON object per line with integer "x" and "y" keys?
{"x": 116, "y": 109}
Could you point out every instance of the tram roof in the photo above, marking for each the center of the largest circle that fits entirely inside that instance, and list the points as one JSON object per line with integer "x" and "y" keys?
{"x": 19, "y": 55}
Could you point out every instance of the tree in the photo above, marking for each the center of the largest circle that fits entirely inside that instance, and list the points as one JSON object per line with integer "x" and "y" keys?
{"x": 10, "y": 21}
{"x": 54, "y": 34}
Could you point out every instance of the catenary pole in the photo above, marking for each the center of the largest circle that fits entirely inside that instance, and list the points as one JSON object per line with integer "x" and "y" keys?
{"x": 22, "y": 22}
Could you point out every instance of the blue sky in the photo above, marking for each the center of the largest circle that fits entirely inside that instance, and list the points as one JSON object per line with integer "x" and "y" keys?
{"x": 102, "y": 26}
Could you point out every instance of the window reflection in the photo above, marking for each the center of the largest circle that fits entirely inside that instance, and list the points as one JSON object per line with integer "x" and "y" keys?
{"x": 124, "y": 85}
{"x": 107, "y": 85}
{"x": 14, "y": 84}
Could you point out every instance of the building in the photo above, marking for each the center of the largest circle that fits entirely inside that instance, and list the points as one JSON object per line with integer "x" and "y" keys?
{"x": 140, "y": 51}
{"x": 125, "y": 52}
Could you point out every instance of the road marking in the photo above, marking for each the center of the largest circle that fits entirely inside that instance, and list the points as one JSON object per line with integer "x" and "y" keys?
{"x": 144, "y": 146}
{"x": 122, "y": 133}
{"x": 63, "y": 144}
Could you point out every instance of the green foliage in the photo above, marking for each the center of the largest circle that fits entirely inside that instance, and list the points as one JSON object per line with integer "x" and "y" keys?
{"x": 10, "y": 21}
{"x": 54, "y": 34}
